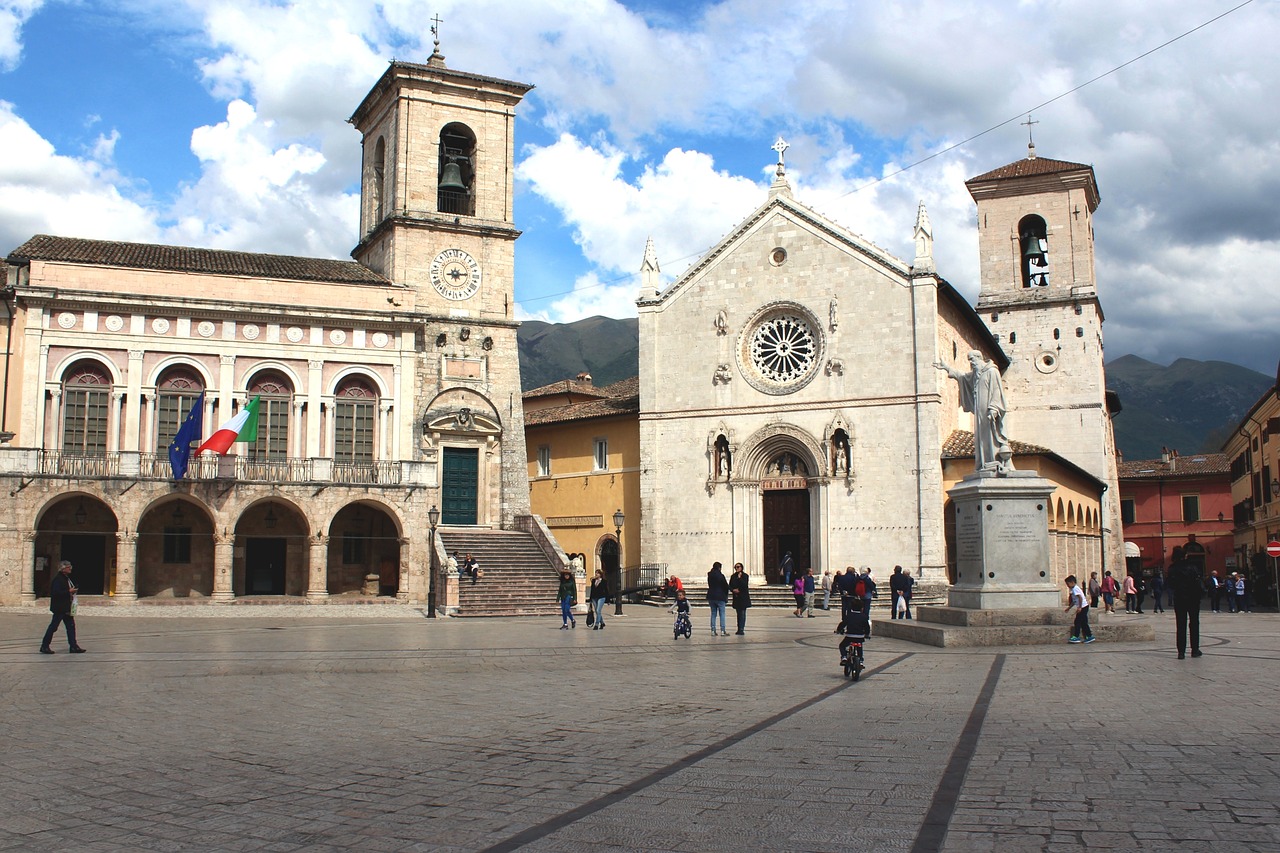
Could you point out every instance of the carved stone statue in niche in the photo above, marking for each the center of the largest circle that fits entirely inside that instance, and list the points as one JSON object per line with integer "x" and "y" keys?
{"x": 722, "y": 322}
{"x": 833, "y": 314}
{"x": 787, "y": 465}
{"x": 724, "y": 458}
{"x": 841, "y": 453}
{"x": 722, "y": 375}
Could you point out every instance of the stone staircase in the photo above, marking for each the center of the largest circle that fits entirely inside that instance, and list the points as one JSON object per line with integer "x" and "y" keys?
{"x": 518, "y": 578}
{"x": 782, "y": 597}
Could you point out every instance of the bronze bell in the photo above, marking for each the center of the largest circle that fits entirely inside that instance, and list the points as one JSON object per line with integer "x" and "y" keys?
{"x": 1031, "y": 250}
{"x": 451, "y": 177}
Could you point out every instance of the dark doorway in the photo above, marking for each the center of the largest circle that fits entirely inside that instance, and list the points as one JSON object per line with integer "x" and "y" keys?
{"x": 458, "y": 485}
{"x": 87, "y": 553}
{"x": 786, "y": 529}
{"x": 264, "y": 564}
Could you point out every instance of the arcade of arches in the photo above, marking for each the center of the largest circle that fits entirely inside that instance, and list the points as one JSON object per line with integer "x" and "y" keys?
{"x": 180, "y": 548}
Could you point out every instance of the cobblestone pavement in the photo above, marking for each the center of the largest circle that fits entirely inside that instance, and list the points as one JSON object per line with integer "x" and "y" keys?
{"x": 277, "y": 732}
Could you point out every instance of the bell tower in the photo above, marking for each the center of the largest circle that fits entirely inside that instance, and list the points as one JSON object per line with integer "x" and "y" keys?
{"x": 1039, "y": 298}
{"x": 436, "y": 218}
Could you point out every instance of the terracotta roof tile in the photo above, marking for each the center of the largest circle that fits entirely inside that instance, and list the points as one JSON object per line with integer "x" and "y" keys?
{"x": 150, "y": 256}
{"x": 959, "y": 445}
{"x": 564, "y": 386}
{"x": 622, "y": 398}
{"x": 1026, "y": 168}
{"x": 1195, "y": 465}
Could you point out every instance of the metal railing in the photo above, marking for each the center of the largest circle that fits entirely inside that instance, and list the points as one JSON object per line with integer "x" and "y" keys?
{"x": 78, "y": 465}
{"x": 156, "y": 466}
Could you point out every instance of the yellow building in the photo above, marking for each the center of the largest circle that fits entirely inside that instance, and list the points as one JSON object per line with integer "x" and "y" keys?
{"x": 583, "y": 445}
{"x": 1254, "y": 451}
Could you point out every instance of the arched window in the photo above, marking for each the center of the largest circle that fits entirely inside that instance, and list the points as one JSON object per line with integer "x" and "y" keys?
{"x": 1033, "y": 245}
{"x": 176, "y": 393}
{"x": 86, "y": 394}
{"x": 379, "y": 179}
{"x": 273, "y": 416}
{"x": 355, "y": 414}
{"x": 457, "y": 170}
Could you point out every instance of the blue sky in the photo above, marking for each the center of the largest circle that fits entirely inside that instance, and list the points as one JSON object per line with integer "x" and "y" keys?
{"x": 224, "y": 124}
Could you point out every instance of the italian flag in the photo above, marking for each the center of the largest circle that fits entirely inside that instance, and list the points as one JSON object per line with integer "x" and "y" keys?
{"x": 243, "y": 427}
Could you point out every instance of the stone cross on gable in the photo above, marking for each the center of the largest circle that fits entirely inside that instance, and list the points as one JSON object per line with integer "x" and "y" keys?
{"x": 781, "y": 147}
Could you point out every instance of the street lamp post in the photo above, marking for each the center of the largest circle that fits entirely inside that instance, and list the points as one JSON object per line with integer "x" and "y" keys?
{"x": 433, "y": 518}
{"x": 618, "y": 519}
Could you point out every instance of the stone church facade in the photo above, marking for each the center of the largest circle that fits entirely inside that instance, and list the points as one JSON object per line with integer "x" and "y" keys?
{"x": 389, "y": 384}
{"x": 802, "y": 412}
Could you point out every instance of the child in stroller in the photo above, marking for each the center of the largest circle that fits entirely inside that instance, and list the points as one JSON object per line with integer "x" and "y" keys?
{"x": 683, "y": 624}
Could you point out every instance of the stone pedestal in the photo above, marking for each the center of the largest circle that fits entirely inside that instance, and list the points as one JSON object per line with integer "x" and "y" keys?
{"x": 1005, "y": 594}
{"x": 1002, "y": 543}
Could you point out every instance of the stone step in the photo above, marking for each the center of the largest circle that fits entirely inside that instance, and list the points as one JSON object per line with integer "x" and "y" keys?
{"x": 518, "y": 578}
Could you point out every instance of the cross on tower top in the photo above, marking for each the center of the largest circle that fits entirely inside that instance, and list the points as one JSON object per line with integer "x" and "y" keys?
{"x": 1031, "y": 143}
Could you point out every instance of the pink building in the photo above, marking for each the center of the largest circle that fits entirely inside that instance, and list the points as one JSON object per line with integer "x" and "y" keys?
{"x": 1177, "y": 500}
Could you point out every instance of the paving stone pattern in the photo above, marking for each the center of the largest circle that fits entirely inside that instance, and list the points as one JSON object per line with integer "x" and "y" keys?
{"x": 279, "y": 732}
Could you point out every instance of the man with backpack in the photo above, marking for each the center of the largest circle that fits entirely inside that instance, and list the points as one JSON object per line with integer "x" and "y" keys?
{"x": 1188, "y": 586}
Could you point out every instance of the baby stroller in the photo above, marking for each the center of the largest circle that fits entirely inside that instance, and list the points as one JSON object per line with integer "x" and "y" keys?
{"x": 856, "y": 629}
{"x": 682, "y": 626}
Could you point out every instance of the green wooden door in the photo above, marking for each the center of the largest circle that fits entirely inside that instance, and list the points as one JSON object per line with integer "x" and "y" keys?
{"x": 458, "y": 485}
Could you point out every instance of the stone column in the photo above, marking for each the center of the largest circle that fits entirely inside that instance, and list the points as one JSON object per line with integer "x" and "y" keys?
{"x": 384, "y": 420}
{"x": 114, "y": 420}
{"x": 133, "y": 425}
{"x": 318, "y": 576}
{"x": 28, "y": 567}
{"x": 223, "y": 546}
{"x": 295, "y": 438}
{"x": 57, "y": 420}
{"x": 315, "y": 388}
{"x": 403, "y": 582}
{"x": 394, "y": 450}
{"x": 126, "y": 567}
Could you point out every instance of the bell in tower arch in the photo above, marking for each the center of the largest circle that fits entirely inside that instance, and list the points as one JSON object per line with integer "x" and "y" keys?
{"x": 451, "y": 177}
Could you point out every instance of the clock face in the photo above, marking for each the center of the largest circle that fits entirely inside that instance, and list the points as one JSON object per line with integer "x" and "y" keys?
{"x": 455, "y": 274}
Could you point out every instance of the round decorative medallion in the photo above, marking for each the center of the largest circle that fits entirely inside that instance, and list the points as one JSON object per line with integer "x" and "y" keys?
{"x": 455, "y": 274}
{"x": 115, "y": 323}
{"x": 778, "y": 256}
{"x": 337, "y": 336}
{"x": 160, "y": 326}
{"x": 66, "y": 319}
{"x": 1047, "y": 362}
{"x": 379, "y": 339}
{"x": 205, "y": 329}
{"x": 251, "y": 332}
{"x": 780, "y": 349}
{"x": 294, "y": 334}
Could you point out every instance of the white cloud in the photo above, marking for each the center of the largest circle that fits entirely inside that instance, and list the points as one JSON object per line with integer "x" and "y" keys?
{"x": 42, "y": 191}
{"x": 13, "y": 15}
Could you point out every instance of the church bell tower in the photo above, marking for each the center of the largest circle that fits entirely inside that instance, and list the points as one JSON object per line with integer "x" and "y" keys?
{"x": 1039, "y": 298}
{"x": 436, "y": 218}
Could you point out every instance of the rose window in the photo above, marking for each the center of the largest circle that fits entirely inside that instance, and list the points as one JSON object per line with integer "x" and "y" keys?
{"x": 781, "y": 348}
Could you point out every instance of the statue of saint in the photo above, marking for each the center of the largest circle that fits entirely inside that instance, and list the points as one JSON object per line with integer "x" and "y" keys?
{"x": 982, "y": 394}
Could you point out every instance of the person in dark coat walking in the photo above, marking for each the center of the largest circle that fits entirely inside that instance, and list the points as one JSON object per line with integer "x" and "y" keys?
{"x": 717, "y": 597}
{"x": 895, "y": 592}
{"x": 62, "y": 591}
{"x": 740, "y": 596}
{"x": 1188, "y": 587}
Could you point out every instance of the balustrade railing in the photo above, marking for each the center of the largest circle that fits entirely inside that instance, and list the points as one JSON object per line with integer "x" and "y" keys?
{"x": 79, "y": 465}
{"x": 156, "y": 466}
{"x": 381, "y": 473}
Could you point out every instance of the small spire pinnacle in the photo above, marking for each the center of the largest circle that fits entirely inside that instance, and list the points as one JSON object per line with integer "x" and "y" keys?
{"x": 650, "y": 274}
{"x": 1031, "y": 143}
{"x": 780, "y": 184}
{"x": 781, "y": 147}
{"x": 437, "y": 58}
{"x": 924, "y": 241}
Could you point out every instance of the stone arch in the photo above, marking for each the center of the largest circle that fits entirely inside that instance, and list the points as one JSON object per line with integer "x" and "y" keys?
{"x": 272, "y": 547}
{"x": 365, "y": 539}
{"x": 80, "y": 526}
{"x": 457, "y": 156}
{"x": 174, "y": 551}
{"x": 360, "y": 372}
{"x": 765, "y": 443}
{"x": 180, "y": 361}
{"x": 252, "y": 370}
{"x": 112, "y": 369}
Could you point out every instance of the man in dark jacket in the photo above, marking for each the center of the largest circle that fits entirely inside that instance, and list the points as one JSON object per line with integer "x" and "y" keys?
{"x": 1188, "y": 587}
{"x": 61, "y": 592}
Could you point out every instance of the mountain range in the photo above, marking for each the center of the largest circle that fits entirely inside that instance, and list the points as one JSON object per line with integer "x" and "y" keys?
{"x": 1190, "y": 406}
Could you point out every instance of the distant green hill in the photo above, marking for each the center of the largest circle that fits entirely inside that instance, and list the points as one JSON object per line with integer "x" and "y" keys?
{"x": 607, "y": 349}
{"x": 1190, "y": 406}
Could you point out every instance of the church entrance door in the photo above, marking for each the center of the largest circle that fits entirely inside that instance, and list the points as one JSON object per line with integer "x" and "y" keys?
{"x": 459, "y": 485}
{"x": 786, "y": 529}
{"x": 264, "y": 565}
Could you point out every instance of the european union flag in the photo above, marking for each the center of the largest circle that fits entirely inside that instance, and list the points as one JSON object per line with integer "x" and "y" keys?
{"x": 192, "y": 429}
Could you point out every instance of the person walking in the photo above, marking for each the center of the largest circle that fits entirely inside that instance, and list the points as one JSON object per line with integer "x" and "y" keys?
{"x": 740, "y": 596}
{"x": 810, "y": 590}
{"x": 1130, "y": 594}
{"x": 567, "y": 595}
{"x": 869, "y": 592}
{"x": 896, "y": 604}
{"x": 908, "y": 590}
{"x": 1157, "y": 591}
{"x": 1080, "y": 630}
{"x": 1230, "y": 589}
{"x": 1215, "y": 591}
{"x": 62, "y": 604}
{"x": 826, "y": 589}
{"x": 797, "y": 589}
{"x": 1188, "y": 587}
{"x": 717, "y": 597}
{"x": 1109, "y": 591}
{"x": 785, "y": 569}
{"x": 1095, "y": 589}
{"x": 598, "y": 596}
{"x": 1240, "y": 593}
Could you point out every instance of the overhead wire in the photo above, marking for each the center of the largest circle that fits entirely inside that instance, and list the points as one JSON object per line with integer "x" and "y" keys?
{"x": 948, "y": 149}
